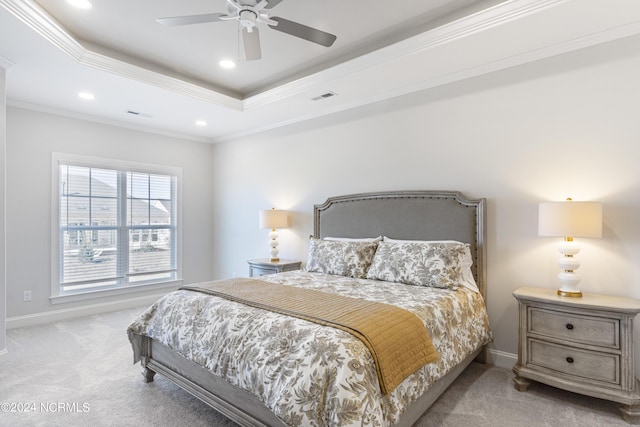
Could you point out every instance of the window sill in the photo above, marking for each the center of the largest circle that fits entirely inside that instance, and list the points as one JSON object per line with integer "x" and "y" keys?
{"x": 61, "y": 299}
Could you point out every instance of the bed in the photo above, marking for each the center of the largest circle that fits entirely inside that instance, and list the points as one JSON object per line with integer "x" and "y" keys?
{"x": 314, "y": 374}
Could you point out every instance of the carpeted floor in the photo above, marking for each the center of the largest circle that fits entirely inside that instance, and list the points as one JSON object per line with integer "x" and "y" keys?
{"x": 80, "y": 373}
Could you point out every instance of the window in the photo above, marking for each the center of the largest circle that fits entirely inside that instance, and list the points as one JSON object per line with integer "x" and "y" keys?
{"x": 115, "y": 225}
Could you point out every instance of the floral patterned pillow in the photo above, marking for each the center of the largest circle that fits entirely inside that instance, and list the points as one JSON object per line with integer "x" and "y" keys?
{"x": 351, "y": 259}
{"x": 434, "y": 264}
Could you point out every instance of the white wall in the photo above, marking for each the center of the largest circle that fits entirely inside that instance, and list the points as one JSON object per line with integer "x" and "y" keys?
{"x": 565, "y": 126}
{"x": 31, "y": 138}
{"x": 3, "y": 144}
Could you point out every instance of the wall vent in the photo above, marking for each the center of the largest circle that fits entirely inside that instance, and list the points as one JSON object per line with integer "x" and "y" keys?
{"x": 324, "y": 96}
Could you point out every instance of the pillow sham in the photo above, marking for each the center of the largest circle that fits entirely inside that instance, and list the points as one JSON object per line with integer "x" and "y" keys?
{"x": 467, "y": 279}
{"x": 351, "y": 259}
{"x": 432, "y": 264}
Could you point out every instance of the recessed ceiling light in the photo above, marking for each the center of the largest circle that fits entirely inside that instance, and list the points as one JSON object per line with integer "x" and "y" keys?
{"x": 227, "y": 63}
{"x": 80, "y": 4}
{"x": 201, "y": 122}
{"x": 86, "y": 95}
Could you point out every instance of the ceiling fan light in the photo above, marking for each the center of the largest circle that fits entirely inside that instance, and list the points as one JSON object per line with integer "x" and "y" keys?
{"x": 80, "y": 4}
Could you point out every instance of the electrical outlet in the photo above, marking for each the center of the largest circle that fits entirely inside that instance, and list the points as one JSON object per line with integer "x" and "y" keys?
{"x": 27, "y": 296}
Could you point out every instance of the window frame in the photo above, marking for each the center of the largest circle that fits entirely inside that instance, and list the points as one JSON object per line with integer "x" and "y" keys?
{"x": 59, "y": 296}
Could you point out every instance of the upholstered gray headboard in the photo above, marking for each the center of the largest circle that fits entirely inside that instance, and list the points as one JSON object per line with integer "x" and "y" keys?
{"x": 411, "y": 215}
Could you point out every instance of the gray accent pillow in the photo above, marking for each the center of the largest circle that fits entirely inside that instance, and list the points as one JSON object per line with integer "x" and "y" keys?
{"x": 434, "y": 264}
{"x": 351, "y": 259}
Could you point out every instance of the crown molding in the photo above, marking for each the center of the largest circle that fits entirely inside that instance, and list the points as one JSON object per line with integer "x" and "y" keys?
{"x": 42, "y": 23}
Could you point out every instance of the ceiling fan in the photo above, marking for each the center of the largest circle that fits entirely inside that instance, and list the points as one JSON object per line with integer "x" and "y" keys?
{"x": 250, "y": 13}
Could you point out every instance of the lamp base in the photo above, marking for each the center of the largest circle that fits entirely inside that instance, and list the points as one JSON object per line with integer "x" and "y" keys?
{"x": 274, "y": 246}
{"x": 570, "y": 294}
{"x": 568, "y": 263}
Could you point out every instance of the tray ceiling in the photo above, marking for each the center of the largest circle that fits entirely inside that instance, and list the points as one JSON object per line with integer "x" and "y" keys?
{"x": 170, "y": 76}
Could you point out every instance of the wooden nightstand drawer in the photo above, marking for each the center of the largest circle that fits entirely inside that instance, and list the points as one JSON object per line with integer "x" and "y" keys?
{"x": 574, "y": 327}
{"x": 257, "y": 271}
{"x": 587, "y": 364}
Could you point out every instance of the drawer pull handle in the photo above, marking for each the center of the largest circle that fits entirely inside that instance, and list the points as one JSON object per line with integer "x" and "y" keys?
{"x": 569, "y": 359}
{"x": 569, "y": 326}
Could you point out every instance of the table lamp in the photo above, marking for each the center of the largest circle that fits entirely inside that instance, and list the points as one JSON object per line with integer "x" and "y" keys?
{"x": 569, "y": 219}
{"x": 273, "y": 219}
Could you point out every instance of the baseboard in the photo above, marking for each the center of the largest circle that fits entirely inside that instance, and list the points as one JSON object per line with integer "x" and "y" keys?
{"x": 85, "y": 310}
{"x": 501, "y": 359}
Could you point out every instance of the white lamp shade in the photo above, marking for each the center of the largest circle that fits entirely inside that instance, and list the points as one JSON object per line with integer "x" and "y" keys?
{"x": 570, "y": 219}
{"x": 273, "y": 219}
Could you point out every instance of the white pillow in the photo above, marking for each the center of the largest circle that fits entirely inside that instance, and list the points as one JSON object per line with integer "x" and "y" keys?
{"x": 467, "y": 279}
{"x": 349, "y": 239}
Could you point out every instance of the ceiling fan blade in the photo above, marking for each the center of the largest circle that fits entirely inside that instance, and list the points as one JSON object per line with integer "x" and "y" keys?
{"x": 303, "y": 32}
{"x": 251, "y": 43}
{"x": 190, "y": 19}
{"x": 272, "y": 3}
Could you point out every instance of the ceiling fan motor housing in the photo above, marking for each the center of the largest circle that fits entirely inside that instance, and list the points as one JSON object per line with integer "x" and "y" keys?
{"x": 248, "y": 19}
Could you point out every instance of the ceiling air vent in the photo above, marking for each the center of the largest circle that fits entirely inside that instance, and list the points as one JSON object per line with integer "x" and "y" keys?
{"x": 138, "y": 113}
{"x": 324, "y": 96}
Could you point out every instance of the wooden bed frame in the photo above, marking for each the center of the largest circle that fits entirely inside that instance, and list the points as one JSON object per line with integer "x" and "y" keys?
{"x": 417, "y": 215}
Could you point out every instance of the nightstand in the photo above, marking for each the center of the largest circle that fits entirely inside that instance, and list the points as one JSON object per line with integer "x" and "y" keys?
{"x": 584, "y": 345}
{"x": 262, "y": 266}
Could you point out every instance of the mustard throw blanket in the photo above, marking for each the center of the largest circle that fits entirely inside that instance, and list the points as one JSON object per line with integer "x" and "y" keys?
{"x": 397, "y": 339}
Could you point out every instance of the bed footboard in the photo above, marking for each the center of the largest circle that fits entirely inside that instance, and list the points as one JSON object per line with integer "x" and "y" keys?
{"x": 244, "y": 408}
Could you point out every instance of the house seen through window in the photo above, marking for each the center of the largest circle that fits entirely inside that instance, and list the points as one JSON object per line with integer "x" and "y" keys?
{"x": 117, "y": 227}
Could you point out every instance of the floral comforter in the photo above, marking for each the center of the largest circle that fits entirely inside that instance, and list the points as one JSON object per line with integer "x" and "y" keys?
{"x": 305, "y": 373}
